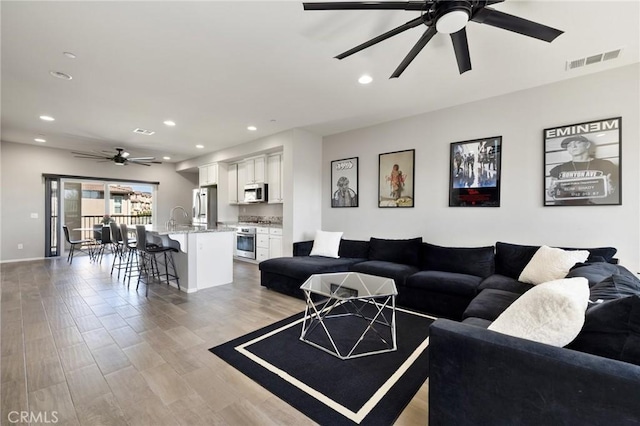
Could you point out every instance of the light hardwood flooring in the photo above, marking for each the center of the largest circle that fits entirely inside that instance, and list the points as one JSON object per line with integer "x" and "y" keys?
{"x": 77, "y": 341}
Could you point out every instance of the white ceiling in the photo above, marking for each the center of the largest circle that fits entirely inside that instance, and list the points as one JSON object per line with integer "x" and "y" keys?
{"x": 216, "y": 67}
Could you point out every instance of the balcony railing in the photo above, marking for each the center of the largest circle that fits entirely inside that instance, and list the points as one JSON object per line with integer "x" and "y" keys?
{"x": 90, "y": 221}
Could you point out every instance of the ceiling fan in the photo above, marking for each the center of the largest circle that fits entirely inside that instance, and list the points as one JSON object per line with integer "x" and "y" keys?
{"x": 120, "y": 158}
{"x": 441, "y": 16}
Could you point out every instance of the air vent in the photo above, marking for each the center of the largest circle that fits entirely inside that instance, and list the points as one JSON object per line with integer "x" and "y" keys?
{"x": 593, "y": 59}
{"x": 143, "y": 131}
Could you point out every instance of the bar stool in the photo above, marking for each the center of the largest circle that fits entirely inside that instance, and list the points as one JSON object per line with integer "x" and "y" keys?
{"x": 125, "y": 253}
{"x": 102, "y": 237}
{"x": 147, "y": 260}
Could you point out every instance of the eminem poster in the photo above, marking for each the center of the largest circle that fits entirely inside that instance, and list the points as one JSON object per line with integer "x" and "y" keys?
{"x": 582, "y": 164}
{"x": 475, "y": 173}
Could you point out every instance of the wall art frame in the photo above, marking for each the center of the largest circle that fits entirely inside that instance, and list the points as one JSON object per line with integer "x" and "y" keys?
{"x": 344, "y": 178}
{"x": 475, "y": 172}
{"x": 583, "y": 164}
{"x": 396, "y": 179}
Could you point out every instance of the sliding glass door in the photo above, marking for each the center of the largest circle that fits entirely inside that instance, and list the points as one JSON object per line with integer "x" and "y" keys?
{"x": 82, "y": 204}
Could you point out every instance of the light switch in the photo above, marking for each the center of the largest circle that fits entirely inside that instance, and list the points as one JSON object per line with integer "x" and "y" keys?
{"x": 34, "y": 215}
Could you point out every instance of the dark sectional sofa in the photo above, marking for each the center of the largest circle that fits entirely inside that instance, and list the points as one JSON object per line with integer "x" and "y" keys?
{"x": 478, "y": 376}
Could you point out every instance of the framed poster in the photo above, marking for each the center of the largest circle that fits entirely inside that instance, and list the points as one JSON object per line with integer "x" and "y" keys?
{"x": 344, "y": 182}
{"x": 474, "y": 177}
{"x": 396, "y": 179}
{"x": 582, "y": 164}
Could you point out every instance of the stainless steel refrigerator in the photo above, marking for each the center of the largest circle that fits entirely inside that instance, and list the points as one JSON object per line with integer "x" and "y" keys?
{"x": 205, "y": 206}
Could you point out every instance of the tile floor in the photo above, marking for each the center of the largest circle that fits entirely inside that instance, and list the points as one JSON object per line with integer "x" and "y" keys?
{"x": 77, "y": 342}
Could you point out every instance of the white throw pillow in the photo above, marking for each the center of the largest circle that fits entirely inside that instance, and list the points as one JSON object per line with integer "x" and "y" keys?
{"x": 326, "y": 244}
{"x": 551, "y": 263}
{"x": 551, "y": 313}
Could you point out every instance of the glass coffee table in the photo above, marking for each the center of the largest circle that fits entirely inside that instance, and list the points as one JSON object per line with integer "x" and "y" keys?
{"x": 350, "y": 314}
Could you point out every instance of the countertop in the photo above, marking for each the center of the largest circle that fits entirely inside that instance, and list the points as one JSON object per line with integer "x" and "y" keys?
{"x": 256, "y": 224}
{"x": 189, "y": 229}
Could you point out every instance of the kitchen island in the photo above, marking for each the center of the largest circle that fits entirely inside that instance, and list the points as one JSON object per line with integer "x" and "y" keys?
{"x": 205, "y": 255}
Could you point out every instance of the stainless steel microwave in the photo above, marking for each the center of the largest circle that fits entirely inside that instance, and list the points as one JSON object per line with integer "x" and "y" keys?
{"x": 255, "y": 193}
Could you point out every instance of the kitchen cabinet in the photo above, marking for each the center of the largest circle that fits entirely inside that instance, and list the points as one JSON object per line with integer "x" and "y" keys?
{"x": 208, "y": 174}
{"x": 255, "y": 168}
{"x": 274, "y": 178}
{"x": 268, "y": 243}
{"x": 242, "y": 180}
{"x": 275, "y": 242}
{"x": 232, "y": 180}
{"x": 262, "y": 243}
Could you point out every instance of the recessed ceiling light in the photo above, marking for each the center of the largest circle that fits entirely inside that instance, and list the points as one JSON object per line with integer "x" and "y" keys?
{"x": 199, "y": 146}
{"x": 41, "y": 140}
{"x": 166, "y": 158}
{"x": 252, "y": 128}
{"x": 60, "y": 75}
{"x": 69, "y": 55}
{"x": 47, "y": 118}
{"x": 170, "y": 123}
{"x": 365, "y": 79}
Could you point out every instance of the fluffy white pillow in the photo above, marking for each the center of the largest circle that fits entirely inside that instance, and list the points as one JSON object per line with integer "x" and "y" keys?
{"x": 551, "y": 313}
{"x": 326, "y": 244}
{"x": 551, "y": 264}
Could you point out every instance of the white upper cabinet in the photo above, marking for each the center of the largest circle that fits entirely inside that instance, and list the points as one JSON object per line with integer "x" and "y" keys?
{"x": 274, "y": 178}
{"x": 255, "y": 170}
{"x": 208, "y": 174}
{"x": 232, "y": 173}
{"x": 242, "y": 180}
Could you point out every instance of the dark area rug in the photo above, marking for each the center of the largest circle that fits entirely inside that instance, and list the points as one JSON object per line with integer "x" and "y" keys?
{"x": 368, "y": 390}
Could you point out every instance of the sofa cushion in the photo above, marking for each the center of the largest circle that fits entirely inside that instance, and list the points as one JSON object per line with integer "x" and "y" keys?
{"x": 354, "y": 248}
{"x": 549, "y": 263}
{"x": 348, "y": 248}
{"x": 326, "y": 244}
{"x": 596, "y": 272}
{"x": 445, "y": 282}
{"x": 478, "y": 261}
{"x": 406, "y": 252}
{"x": 489, "y": 304}
{"x": 511, "y": 259}
{"x": 597, "y": 254}
{"x": 551, "y": 313}
{"x": 612, "y": 330}
{"x": 397, "y": 271}
{"x": 615, "y": 287}
{"x": 303, "y": 266}
{"x": 501, "y": 282}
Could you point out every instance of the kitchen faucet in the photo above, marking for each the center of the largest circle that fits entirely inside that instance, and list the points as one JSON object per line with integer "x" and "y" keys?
{"x": 172, "y": 222}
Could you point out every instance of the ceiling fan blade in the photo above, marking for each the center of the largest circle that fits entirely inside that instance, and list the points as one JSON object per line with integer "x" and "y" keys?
{"x": 515, "y": 24}
{"x": 490, "y": 2}
{"x": 138, "y": 163}
{"x": 366, "y": 5}
{"x": 141, "y": 158}
{"x": 461, "y": 47}
{"x": 411, "y": 24}
{"x": 414, "y": 51}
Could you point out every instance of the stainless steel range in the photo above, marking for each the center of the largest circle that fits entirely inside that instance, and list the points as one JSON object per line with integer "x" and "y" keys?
{"x": 246, "y": 242}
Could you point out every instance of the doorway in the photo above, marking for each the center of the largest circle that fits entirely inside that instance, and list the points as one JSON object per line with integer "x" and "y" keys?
{"x": 80, "y": 204}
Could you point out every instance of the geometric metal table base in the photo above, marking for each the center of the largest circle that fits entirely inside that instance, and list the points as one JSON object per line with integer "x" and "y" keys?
{"x": 353, "y": 302}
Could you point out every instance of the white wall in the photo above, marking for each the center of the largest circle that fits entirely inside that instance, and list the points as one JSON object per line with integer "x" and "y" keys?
{"x": 22, "y": 191}
{"x": 520, "y": 119}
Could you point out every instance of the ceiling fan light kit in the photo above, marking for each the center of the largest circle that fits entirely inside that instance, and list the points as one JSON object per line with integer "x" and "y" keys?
{"x": 441, "y": 16}
{"x": 453, "y": 16}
